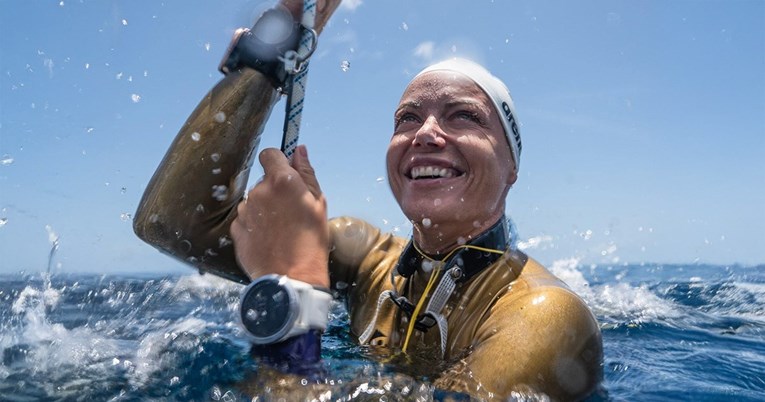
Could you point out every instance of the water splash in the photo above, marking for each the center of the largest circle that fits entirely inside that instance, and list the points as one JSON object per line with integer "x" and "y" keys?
{"x": 54, "y": 241}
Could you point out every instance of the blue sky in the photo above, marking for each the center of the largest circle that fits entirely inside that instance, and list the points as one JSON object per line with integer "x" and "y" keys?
{"x": 643, "y": 122}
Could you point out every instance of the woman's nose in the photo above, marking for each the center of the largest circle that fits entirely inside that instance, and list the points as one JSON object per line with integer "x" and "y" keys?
{"x": 429, "y": 134}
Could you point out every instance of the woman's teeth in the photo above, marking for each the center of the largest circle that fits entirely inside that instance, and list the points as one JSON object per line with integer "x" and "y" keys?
{"x": 431, "y": 172}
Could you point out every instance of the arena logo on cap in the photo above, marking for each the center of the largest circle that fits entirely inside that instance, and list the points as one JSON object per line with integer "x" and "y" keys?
{"x": 513, "y": 125}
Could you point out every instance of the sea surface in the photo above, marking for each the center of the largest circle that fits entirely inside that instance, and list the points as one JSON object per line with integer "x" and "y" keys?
{"x": 671, "y": 332}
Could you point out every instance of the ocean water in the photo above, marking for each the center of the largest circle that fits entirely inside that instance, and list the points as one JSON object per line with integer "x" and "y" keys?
{"x": 671, "y": 332}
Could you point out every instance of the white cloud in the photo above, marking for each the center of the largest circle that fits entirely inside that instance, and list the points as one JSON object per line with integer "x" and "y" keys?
{"x": 425, "y": 50}
{"x": 535, "y": 242}
{"x": 350, "y": 4}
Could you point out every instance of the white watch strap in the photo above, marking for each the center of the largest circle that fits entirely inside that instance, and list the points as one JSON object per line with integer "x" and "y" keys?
{"x": 313, "y": 307}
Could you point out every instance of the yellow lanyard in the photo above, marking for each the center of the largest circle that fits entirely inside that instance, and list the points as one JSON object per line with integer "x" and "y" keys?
{"x": 439, "y": 264}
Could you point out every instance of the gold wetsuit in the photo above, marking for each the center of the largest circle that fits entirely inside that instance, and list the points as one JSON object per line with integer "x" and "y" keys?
{"x": 513, "y": 326}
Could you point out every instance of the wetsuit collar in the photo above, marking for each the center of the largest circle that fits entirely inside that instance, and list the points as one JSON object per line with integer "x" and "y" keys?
{"x": 470, "y": 261}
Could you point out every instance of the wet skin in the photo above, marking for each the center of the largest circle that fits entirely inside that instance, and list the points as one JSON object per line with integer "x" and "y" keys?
{"x": 444, "y": 121}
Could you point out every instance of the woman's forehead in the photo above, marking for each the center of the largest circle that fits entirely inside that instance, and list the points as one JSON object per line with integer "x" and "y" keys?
{"x": 443, "y": 86}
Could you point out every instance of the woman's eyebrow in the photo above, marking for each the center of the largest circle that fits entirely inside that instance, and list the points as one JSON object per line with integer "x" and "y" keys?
{"x": 407, "y": 105}
{"x": 466, "y": 102}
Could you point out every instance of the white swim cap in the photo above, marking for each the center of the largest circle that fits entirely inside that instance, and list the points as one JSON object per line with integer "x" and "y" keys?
{"x": 497, "y": 92}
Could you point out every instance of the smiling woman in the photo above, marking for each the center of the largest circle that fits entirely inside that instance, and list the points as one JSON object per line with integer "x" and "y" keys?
{"x": 625, "y": 193}
{"x": 451, "y": 161}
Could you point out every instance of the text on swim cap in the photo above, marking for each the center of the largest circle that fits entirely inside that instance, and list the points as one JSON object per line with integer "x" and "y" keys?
{"x": 513, "y": 126}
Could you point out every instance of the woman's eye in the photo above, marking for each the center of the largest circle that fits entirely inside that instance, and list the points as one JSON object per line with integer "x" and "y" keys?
{"x": 470, "y": 116}
{"x": 405, "y": 118}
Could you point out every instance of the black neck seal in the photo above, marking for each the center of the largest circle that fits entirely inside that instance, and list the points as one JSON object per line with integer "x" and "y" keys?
{"x": 471, "y": 261}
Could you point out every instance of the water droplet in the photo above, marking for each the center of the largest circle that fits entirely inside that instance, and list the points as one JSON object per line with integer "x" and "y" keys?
{"x": 195, "y": 136}
{"x": 186, "y": 246}
{"x": 224, "y": 241}
{"x": 426, "y": 222}
{"x": 340, "y": 285}
{"x": 404, "y": 26}
{"x": 476, "y": 224}
{"x": 89, "y": 129}
{"x": 215, "y": 157}
{"x": 220, "y": 117}
{"x": 200, "y": 208}
{"x": 135, "y": 98}
{"x": 154, "y": 218}
{"x": 207, "y": 46}
{"x": 61, "y": 3}
{"x": 7, "y": 160}
{"x": 427, "y": 265}
{"x": 461, "y": 241}
{"x": 454, "y": 48}
{"x": 125, "y": 217}
{"x": 118, "y": 76}
{"x": 145, "y": 73}
{"x": 52, "y": 236}
{"x": 220, "y": 192}
{"x": 437, "y": 202}
{"x": 87, "y": 66}
{"x": 380, "y": 179}
{"x": 123, "y": 190}
{"x": 345, "y": 65}
{"x": 3, "y": 221}
{"x": 124, "y": 22}
{"x": 216, "y": 171}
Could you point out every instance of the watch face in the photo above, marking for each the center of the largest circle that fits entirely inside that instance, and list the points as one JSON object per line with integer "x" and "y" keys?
{"x": 266, "y": 310}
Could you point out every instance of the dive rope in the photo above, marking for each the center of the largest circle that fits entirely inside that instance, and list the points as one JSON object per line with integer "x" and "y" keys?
{"x": 296, "y": 63}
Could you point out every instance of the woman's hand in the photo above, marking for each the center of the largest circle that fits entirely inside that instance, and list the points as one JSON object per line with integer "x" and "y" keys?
{"x": 281, "y": 227}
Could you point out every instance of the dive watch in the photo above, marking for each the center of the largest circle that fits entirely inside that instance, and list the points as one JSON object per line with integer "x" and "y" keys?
{"x": 274, "y": 308}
